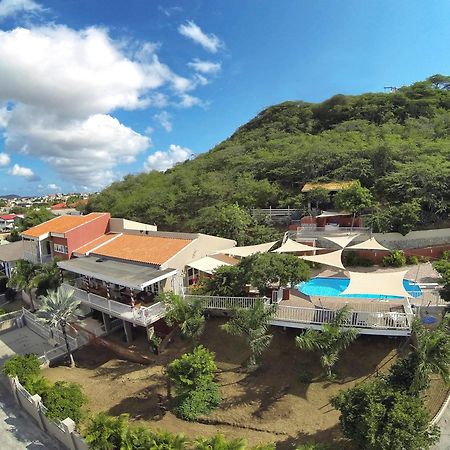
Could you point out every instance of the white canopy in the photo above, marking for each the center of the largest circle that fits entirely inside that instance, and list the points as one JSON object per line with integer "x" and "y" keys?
{"x": 385, "y": 283}
{"x": 342, "y": 241}
{"x": 293, "y": 246}
{"x": 370, "y": 244}
{"x": 332, "y": 259}
{"x": 207, "y": 264}
{"x": 248, "y": 249}
{"x": 333, "y": 214}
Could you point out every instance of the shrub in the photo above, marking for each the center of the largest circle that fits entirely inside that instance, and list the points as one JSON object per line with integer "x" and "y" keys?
{"x": 198, "y": 402}
{"x": 3, "y": 283}
{"x": 395, "y": 259}
{"x": 37, "y": 384}
{"x": 23, "y": 367}
{"x": 2, "y": 312}
{"x": 352, "y": 258}
{"x": 412, "y": 260}
{"x": 193, "y": 378}
{"x": 65, "y": 400}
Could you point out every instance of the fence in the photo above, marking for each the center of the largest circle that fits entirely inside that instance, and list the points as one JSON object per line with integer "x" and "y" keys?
{"x": 216, "y": 302}
{"x": 9, "y": 321}
{"x": 63, "y": 431}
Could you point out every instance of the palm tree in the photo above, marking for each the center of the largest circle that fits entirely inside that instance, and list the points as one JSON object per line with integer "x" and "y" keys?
{"x": 57, "y": 309}
{"x": 330, "y": 341}
{"x": 253, "y": 325}
{"x": 188, "y": 315}
{"x": 24, "y": 278}
{"x": 47, "y": 278}
{"x": 431, "y": 353}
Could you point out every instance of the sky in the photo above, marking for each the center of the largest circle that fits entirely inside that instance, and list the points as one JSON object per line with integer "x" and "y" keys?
{"x": 92, "y": 90}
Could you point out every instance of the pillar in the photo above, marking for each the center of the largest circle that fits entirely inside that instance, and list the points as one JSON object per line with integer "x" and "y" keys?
{"x": 128, "y": 331}
{"x": 107, "y": 322}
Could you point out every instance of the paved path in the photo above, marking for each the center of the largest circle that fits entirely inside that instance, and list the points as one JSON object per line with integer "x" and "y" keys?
{"x": 18, "y": 431}
{"x": 444, "y": 424}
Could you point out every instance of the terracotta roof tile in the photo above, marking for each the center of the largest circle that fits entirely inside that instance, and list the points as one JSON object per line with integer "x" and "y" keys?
{"x": 145, "y": 249}
{"x": 95, "y": 243}
{"x": 61, "y": 224}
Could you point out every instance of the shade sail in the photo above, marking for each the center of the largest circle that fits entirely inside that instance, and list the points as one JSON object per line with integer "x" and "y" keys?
{"x": 207, "y": 264}
{"x": 248, "y": 249}
{"x": 385, "y": 283}
{"x": 370, "y": 244}
{"x": 342, "y": 241}
{"x": 332, "y": 259}
{"x": 293, "y": 246}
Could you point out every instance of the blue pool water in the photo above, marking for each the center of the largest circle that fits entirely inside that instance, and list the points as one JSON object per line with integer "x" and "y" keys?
{"x": 333, "y": 287}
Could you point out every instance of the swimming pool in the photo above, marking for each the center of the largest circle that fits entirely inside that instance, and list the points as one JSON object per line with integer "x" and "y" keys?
{"x": 333, "y": 287}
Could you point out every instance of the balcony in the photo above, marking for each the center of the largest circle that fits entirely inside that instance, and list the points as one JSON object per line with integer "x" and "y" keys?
{"x": 137, "y": 314}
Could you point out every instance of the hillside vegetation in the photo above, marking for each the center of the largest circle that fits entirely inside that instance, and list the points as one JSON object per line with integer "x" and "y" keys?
{"x": 396, "y": 144}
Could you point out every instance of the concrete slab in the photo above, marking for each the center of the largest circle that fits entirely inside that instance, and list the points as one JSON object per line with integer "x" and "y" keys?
{"x": 21, "y": 341}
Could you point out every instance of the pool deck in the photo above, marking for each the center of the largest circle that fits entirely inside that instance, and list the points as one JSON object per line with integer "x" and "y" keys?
{"x": 421, "y": 273}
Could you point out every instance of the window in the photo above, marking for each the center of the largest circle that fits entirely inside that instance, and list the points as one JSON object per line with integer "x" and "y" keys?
{"x": 60, "y": 248}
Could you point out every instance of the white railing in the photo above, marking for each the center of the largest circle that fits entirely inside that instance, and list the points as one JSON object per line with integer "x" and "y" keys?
{"x": 313, "y": 316}
{"x": 303, "y": 231}
{"x": 217, "y": 302}
{"x": 138, "y": 315}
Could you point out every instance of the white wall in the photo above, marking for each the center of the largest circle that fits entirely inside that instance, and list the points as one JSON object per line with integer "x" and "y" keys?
{"x": 123, "y": 225}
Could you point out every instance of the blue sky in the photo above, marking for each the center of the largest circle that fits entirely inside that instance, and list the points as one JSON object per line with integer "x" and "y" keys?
{"x": 91, "y": 90}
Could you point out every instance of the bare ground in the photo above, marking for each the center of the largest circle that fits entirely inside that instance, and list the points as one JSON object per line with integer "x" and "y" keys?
{"x": 271, "y": 404}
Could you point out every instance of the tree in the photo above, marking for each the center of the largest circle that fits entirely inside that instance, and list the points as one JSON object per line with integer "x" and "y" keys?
{"x": 226, "y": 281}
{"x": 47, "y": 278}
{"x": 253, "y": 325}
{"x": 429, "y": 354}
{"x": 377, "y": 417}
{"x": 330, "y": 341}
{"x": 34, "y": 217}
{"x": 264, "y": 269}
{"x": 353, "y": 199}
{"x": 58, "y": 307}
{"x": 193, "y": 377}
{"x": 318, "y": 195}
{"x": 24, "y": 278}
{"x": 188, "y": 315}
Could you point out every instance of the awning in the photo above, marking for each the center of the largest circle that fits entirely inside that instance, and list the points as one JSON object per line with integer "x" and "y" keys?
{"x": 207, "y": 264}
{"x": 134, "y": 276}
{"x": 384, "y": 283}
{"x": 248, "y": 249}
{"x": 293, "y": 246}
{"x": 370, "y": 244}
{"x": 332, "y": 259}
{"x": 333, "y": 214}
{"x": 342, "y": 241}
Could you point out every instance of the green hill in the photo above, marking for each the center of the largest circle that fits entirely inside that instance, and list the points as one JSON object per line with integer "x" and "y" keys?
{"x": 396, "y": 144}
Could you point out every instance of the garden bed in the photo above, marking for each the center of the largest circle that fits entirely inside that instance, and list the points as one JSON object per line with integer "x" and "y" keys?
{"x": 273, "y": 403}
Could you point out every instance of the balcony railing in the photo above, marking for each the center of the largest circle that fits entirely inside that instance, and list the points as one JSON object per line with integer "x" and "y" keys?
{"x": 138, "y": 315}
{"x": 305, "y": 231}
{"x": 303, "y": 317}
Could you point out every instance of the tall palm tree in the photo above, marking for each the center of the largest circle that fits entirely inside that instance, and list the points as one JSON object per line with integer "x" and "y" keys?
{"x": 47, "y": 278}
{"x": 253, "y": 325}
{"x": 330, "y": 341}
{"x": 24, "y": 278}
{"x": 57, "y": 309}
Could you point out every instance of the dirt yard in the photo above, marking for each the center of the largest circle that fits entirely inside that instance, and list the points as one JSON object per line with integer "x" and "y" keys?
{"x": 271, "y": 404}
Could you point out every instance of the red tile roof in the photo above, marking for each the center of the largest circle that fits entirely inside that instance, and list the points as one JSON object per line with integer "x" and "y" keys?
{"x": 9, "y": 216}
{"x": 90, "y": 246}
{"x": 61, "y": 224}
{"x": 144, "y": 249}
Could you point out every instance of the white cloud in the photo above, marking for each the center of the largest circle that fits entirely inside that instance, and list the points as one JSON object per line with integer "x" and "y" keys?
{"x": 188, "y": 101}
{"x": 25, "y": 172}
{"x": 84, "y": 151}
{"x": 207, "y": 67}
{"x": 163, "y": 118}
{"x": 4, "y": 159}
{"x": 162, "y": 161}
{"x": 192, "y": 31}
{"x": 13, "y": 7}
{"x": 61, "y": 86}
{"x": 53, "y": 187}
